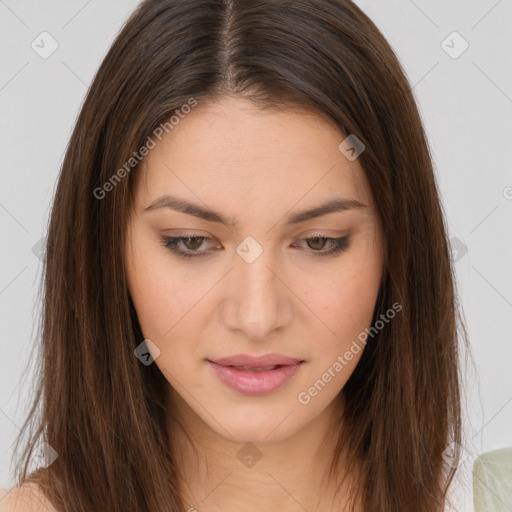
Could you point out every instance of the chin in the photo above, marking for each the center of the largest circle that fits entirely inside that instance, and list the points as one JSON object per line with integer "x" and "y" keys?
{"x": 266, "y": 427}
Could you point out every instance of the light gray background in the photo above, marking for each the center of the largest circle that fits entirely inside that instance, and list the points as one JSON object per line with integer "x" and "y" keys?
{"x": 466, "y": 105}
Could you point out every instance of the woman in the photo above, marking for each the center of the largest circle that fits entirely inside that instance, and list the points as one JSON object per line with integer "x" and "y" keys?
{"x": 249, "y": 300}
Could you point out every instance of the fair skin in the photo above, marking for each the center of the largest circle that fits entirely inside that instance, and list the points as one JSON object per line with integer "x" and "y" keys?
{"x": 257, "y": 168}
{"x": 24, "y": 498}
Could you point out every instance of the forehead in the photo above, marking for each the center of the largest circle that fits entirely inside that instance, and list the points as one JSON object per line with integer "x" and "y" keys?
{"x": 224, "y": 151}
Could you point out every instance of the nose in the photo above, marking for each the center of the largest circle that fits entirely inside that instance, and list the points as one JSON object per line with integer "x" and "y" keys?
{"x": 258, "y": 304}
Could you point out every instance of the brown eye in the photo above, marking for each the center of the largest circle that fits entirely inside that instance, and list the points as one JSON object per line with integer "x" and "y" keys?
{"x": 192, "y": 245}
{"x": 318, "y": 243}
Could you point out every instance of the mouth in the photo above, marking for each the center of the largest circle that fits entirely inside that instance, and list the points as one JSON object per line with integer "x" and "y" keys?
{"x": 255, "y": 375}
{"x": 250, "y": 362}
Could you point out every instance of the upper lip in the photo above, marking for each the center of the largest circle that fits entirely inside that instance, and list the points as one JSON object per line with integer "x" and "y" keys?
{"x": 256, "y": 362}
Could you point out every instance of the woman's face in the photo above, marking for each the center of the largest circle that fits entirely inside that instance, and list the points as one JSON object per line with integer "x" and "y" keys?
{"x": 252, "y": 317}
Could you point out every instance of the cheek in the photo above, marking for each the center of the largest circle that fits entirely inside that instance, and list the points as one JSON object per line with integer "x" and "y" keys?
{"x": 160, "y": 295}
{"x": 165, "y": 312}
{"x": 348, "y": 305}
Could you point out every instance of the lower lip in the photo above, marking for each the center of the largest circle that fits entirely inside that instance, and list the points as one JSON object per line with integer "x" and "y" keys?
{"x": 254, "y": 383}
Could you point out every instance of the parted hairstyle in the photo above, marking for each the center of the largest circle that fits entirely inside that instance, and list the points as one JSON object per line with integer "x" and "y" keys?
{"x": 104, "y": 412}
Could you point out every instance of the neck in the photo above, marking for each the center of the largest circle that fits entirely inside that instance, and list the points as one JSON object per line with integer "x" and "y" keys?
{"x": 289, "y": 474}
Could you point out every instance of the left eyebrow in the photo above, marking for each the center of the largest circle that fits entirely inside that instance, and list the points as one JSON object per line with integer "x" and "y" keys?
{"x": 331, "y": 206}
{"x": 183, "y": 206}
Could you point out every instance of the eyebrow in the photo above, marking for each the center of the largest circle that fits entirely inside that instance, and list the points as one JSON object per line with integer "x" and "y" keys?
{"x": 180, "y": 205}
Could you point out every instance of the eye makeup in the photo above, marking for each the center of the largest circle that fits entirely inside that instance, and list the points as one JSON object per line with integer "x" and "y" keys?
{"x": 188, "y": 246}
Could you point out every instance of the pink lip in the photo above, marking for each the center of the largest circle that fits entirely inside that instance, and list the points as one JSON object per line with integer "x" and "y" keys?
{"x": 248, "y": 380}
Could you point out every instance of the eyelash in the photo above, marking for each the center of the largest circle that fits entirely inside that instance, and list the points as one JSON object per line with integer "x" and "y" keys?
{"x": 171, "y": 243}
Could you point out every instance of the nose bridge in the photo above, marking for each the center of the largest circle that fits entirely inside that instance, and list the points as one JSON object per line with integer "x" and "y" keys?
{"x": 259, "y": 302}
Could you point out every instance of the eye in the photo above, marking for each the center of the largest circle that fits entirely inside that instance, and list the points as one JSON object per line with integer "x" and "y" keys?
{"x": 318, "y": 242}
{"x": 192, "y": 245}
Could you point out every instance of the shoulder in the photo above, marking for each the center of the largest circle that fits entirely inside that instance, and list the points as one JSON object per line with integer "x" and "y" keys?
{"x": 24, "y": 498}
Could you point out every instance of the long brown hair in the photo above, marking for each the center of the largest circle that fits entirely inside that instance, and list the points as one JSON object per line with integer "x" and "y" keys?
{"x": 101, "y": 409}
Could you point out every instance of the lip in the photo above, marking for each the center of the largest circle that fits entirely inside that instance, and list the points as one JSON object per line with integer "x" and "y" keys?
{"x": 256, "y": 361}
{"x": 247, "y": 375}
